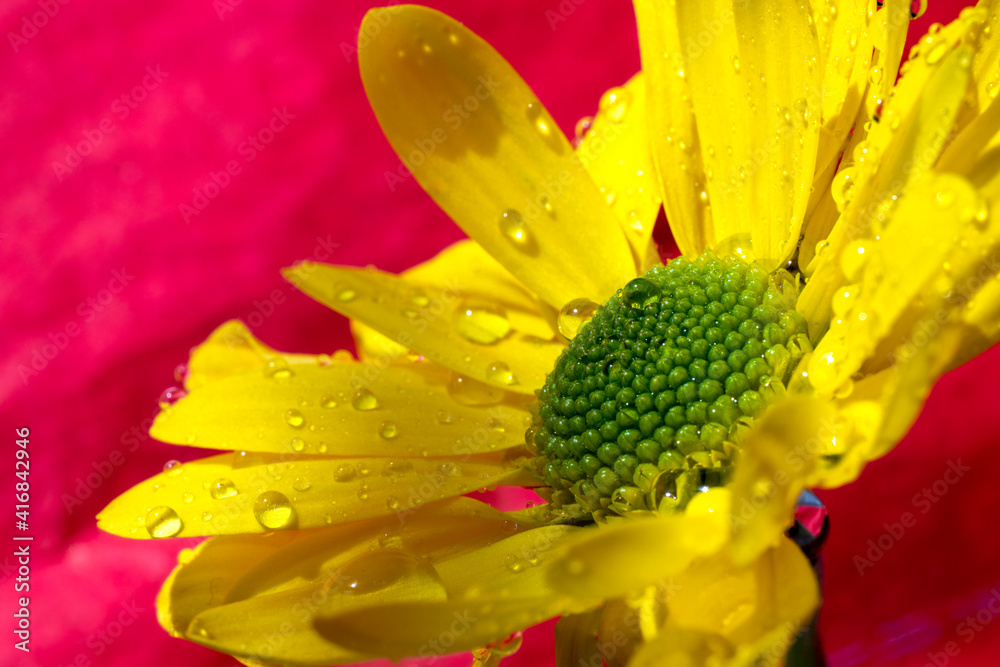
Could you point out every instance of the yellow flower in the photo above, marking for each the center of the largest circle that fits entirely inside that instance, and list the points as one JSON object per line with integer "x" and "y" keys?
{"x": 847, "y": 225}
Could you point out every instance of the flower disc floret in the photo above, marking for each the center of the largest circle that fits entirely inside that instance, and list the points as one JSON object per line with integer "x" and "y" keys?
{"x": 649, "y": 403}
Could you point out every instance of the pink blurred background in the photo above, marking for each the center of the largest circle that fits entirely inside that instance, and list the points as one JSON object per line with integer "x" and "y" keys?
{"x": 106, "y": 286}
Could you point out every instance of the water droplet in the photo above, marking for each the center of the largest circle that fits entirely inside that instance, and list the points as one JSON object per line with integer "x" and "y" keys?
{"x": 481, "y": 321}
{"x": 583, "y": 126}
{"x": 840, "y": 189}
{"x": 917, "y": 9}
{"x": 207, "y": 516}
{"x": 187, "y": 497}
{"x": 388, "y": 574}
{"x": 445, "y": 417}
{"x": 574, "y": 315}
{"x": 363, "y": 399}
{"x": 170, "y": 396}
{"x": 854, "y": 259}
{"x": 163, "y": 521}
{"x": 294, "y": 418}
{"x": 394, "y": 467}
{"x": 392, "y": 502}
{"x": 297, "y": 444}
{"x": 277, "y": 368}
{"x": 875, "y": 75}
{"x": 328, "y": 402}
{"x": 222, "y": 488}
{"x": 500, "y": 373}
{"x": 614, "y": 104}
{"x": 937, "y": 53}
{"x": 736, "y": 63}
{"x": 173, "y": 467}
{"x": 301, "y": 484}
{"x": 273, "y": 510}
{"x": 181, "y": 373}
{"x": 515, "y": 229}
{"x": 388, "y": 430}
{"x": 345, "y": 473}
{"x": 346, "y": 294}
{"x": 514, "y": 563}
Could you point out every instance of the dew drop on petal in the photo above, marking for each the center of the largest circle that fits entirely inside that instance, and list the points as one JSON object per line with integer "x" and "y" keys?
{"x": 273, "y": 510}
{"x": 173, "y": 467}
{"x": 840, "y": 189}
{"x": 468, "y": 391}
{"x": 301, "y": 484}
{"x": 346, "y": 294}
{"x": 378, "y": 572}
{"x": 328, "y": 402}
{"x": 294, "y": 418}
{"x": 297, "y": 444}
{"x": 363, "y": 399}
{"x": 345, "y": 473}
{"x": 445, "y": 417}
{"x": 515, "y": 229}
{"x": 574, "y": 315}
{"x": 854, "y": 259}
{"x": 277, "y": 368}
{"x": 481, "y": 321}
{"x": 222, "y": 488}
{"x": 170, "y": 396}
{"x": 500, "y": 373}
{"x": 388, "y": 430}
{"x": 162, "y": 521}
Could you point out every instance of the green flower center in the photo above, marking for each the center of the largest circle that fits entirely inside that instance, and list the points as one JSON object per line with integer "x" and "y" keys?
{"x": 649, "y": 403}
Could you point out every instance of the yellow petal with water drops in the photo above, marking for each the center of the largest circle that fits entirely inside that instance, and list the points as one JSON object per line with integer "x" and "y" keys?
{"x": 911, "y": 136}
{"x": 228, "y": 591}
{"x": 423, "y": 318}
{"x": 673, "y": 134}
{"x": 887, "y": 29}
{"x": 232, "y": 350}
{"x": 615, "y": 150}
{"x": 653, "y": 549}
{"x": 909, "y": 262}
{"x": 257, "y": 493}
{"x": 492, "y": 593}
{"x": 576, "y": 639}
{"x": 483, "y": 279}
{"x": 778, "y": 457}
{"x": 973, "y": 153}
{"x": 781, "y": 82}
{"x": 343, "y": 409}
{"x": 986, "y": 61}
{"x": 846, "y": 68}
{"x": 482, "y": 145}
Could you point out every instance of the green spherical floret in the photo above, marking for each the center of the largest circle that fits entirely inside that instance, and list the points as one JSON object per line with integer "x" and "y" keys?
{"x": 662, "y": 381}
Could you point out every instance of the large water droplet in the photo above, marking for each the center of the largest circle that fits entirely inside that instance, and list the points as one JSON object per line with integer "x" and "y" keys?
{"x": 614, "y": 104}
{"x": 345, "y": 473}
{"x": 500, "y": 373}
{"x": 515, "y": 229}
{"x": 481, "y": 321}
{"x": 574, "y": 315}
{"x": 388, "y": 430}
{"x": 364, "y": 399}
{"x": 277, "y": 368}
{"x": 273, "y": 510}
{"x": 854, "y": 259}
{"x": 163, "y": 521}
{"x": 222, "y": 488}
{"x": 390, "y": 574}
{"x": 173, "y": 467}
{"x": 840, "y": 189}
{"x": 170, "y": 396}
{"x": 294, "y": 419}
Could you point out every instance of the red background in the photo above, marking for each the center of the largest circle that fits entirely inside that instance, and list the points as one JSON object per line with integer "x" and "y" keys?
{"x": 321, "y": 182}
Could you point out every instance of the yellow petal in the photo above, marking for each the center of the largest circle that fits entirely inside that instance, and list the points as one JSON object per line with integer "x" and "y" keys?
{"x": 481, "y": 144}
{"x": 239, "y": 594}
{"x": 672, "y": 132}
{"x": 783, "y": 119}
{"x": 428, "y": 319}
{"x": 778, "y": 456}
{"x": 258, "y": 493}
{"x": 492, "y": 593}
{"x": 615, "y": 150}
{"x": 652, "y": 548}
{"x": 342, "y": 409}
{"x": 576, "y": 639}
{"x": 907, "y": 142}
